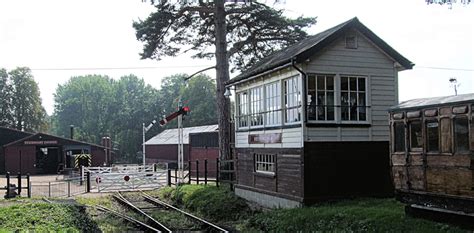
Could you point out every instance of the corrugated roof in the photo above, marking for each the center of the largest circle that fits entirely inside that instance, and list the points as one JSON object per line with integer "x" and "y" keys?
{"x": 170, "y": 136}
{"x": 435, "y": 101}
{"x": 311, "y": 45}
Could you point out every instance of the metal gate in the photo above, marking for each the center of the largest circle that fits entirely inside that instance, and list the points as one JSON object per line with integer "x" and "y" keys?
{"x": 126, "y": 178}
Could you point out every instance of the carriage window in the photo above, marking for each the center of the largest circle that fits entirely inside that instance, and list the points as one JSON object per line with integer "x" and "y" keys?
{"x": 432, "y": 136}
{"x": 445, "y": 125}
{"x": 399, "y": 137}
{"x": 416, "y": 141}
{"x": 461, "y": 134}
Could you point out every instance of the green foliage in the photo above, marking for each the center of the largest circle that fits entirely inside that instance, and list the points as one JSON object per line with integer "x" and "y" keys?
{"x": 44, "y": 217}
{"x": 21, "y": 103}
{"x": 253, "y": 30}
{"x": 99, "y": 106}
{"x": 6, "y": 115}
{"x": 84, "y": 102}
{"x": 200, "y": 96}
{"x": 366, "y": 215}
{"x": 214, "y": 203}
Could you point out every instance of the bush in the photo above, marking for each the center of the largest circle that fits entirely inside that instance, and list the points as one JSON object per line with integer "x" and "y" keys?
{"x": 215, "y": 203}
{"x": 366, "y": 215}
{"x": 45, "y": 217}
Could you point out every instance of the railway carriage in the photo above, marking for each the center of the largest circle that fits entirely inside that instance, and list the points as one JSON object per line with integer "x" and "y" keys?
{"x": 432, "y": 159}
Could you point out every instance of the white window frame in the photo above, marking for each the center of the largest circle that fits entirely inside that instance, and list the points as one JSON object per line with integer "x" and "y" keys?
{"x": 256, "y": 101}
{"x": 313, "y": 101}
{"x": 357, "y": 92}
{"x": 242, "y": 106}
{"x": 265, "y": 163}
{"x": 292, "y": 100}
{"x": 273, "y": 105}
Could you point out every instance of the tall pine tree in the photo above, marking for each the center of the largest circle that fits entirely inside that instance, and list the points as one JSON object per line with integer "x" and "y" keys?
{"x": 239, "y": 33}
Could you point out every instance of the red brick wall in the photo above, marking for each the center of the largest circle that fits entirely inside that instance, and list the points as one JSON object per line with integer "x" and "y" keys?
{"x": 98, "y": 156}
{"x": 201, "y": 154}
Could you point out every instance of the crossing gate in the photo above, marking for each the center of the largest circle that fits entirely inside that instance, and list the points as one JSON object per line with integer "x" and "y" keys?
{"x": 105, "y": 179}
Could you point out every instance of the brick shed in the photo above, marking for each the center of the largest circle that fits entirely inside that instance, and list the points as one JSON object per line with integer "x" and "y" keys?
{"x": 163, "y": 148}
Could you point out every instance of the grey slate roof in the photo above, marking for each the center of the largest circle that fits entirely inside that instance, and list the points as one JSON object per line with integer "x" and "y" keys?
{"x": 435, "y": 101}
{"x": 304, "y": 49}
{"x": 170, "y": 136}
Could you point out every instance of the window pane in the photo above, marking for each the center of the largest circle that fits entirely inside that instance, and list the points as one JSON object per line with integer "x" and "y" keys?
{"x": 344, "y": 83}
{"x": 329, "y": 83}
{"x": 416, "y": 140}
{"x": 432, "y": 136}
{"x": 353, "y": 102}
{"x": 311, "y": 98}
{"x": 344, "y": 106}
{"x": 330, "y": 106}
{"x": 399, "y": 137}
{"x": 321, "y": 83}
{"x": 321, "y": 101}
{"x": 461, "y": 134}
{"x": 361, "y": 84}
{"x": 311, "y": 82}
{"x": 353, "y": 84}
{"x": 362, "y": 108}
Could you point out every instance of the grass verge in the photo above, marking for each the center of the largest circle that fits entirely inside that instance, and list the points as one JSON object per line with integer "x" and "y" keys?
{"x": 361, "y": 215}
{"x": 45, "y": 217}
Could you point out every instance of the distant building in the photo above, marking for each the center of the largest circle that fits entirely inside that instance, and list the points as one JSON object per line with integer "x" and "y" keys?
{"x": 163, "y": 148}
{"x": 311, "y": 120}
{"x": 40, "y": 153}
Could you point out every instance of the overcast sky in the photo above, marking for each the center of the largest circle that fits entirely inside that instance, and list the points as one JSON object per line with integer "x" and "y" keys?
{"x": 58, "y": 39}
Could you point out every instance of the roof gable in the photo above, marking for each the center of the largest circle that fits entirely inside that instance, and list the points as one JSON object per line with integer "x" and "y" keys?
{"x": 306, "y": 48}
{"x": 8, "y": 135}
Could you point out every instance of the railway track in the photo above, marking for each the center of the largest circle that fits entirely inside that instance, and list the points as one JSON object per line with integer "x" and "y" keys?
{"x": 148, "y": 206}
{"x": 140, "y": 225}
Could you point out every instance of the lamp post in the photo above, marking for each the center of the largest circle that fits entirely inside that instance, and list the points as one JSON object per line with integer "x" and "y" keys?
{"x": 145, "y": 129}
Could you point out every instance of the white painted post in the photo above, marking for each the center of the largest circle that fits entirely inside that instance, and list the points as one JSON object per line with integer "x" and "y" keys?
{"x": 180, "y": 149}
{"x": 143, "y": 144}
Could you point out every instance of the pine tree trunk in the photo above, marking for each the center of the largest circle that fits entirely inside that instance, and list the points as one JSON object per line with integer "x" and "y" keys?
{"x": 222, "y": 76}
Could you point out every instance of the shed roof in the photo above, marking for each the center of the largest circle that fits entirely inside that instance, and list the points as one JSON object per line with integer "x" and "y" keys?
{"x": 306, "y": 48}
{"x": 170, "y": 136}
{"x": 435, "y": 101}
{"x": 45, "y": 136}
{"x": 8, "y": 135}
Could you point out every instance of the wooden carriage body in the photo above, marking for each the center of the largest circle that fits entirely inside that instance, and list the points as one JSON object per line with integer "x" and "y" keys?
{"x": 431, "y": 152}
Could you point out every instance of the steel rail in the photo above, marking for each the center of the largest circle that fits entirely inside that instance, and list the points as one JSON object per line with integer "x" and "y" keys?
{"x": 123, "y": 216}
{"x": 159, "y": 202}
{"x": 128, "y": 218}
{"x": 126, "y": 202}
